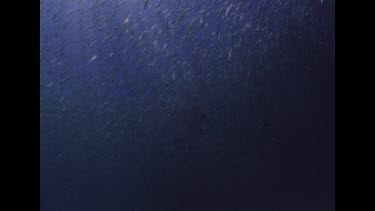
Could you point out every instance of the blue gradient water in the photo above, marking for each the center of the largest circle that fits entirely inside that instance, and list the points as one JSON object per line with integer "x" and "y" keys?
{"x": 187, "y": 105}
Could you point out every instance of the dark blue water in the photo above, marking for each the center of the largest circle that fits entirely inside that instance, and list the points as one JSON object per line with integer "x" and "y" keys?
{"x": 187, "y": 105}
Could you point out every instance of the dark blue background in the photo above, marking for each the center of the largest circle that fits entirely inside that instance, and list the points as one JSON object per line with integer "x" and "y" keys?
{"x": 166, "y": 113}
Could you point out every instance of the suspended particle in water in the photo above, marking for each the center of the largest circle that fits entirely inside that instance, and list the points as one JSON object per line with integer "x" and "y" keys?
{"x": 126, "y": 21}
{"x": 93, "y": 59}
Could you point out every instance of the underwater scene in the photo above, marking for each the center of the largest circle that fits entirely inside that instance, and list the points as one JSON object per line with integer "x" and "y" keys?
{"x": 187, "y": 105}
